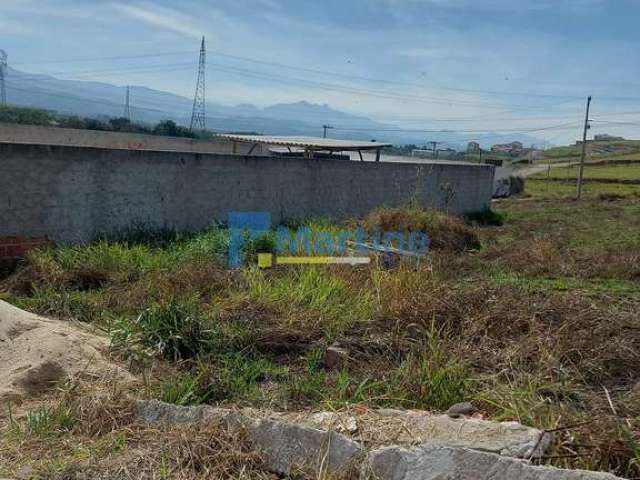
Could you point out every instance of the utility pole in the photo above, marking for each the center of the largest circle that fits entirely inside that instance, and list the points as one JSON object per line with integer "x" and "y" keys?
{"x": 325, "y": 128}
{"x": 3, "y": 69}
{"x": 198, "y": 112}
{"x": 127, "y": 111}
{"x": 434, "y": 148}
{"x": 584, "y": 148}
{"x": 544, "y": 149}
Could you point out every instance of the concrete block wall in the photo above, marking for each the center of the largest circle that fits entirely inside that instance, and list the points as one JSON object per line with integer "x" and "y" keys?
{"x": 73, "y": 194}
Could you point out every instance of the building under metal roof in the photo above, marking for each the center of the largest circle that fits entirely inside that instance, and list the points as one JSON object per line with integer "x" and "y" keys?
{"x": 308, "y": 144}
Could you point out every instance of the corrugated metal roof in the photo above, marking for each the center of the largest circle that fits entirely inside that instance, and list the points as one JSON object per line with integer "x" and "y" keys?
{"x": 314, "y": 143}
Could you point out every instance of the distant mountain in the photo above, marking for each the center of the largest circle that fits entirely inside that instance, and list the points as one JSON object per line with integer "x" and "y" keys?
{"x": 99, "y": 99}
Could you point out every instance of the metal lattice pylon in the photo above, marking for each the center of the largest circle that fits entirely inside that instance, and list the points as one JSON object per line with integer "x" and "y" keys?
{"x": 198, "y": 113}
{"x": 3, "y": 70}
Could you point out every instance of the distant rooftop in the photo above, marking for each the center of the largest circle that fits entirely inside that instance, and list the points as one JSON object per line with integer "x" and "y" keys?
{"x": 308, "y": 143}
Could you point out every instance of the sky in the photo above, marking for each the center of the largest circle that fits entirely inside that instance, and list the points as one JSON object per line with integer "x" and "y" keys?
{"x": 468, "y": 65}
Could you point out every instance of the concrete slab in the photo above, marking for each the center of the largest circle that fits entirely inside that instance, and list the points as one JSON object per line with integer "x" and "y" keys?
{"x": 437, "y": 463}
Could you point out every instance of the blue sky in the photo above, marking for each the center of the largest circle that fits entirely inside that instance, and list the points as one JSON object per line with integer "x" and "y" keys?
{"x": 464, "y": 64}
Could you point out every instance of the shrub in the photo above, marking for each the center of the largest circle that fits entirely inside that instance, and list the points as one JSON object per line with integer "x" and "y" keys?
{"x": 486, "y": 217}
{"x": 445, "y": 231}
{"x": 177, "y": 330}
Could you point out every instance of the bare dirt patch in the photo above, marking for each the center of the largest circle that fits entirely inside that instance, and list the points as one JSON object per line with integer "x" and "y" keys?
{"x": 36, "y": 353}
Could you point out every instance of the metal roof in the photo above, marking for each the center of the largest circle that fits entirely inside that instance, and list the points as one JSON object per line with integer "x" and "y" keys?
{"x": 308, "y": 143}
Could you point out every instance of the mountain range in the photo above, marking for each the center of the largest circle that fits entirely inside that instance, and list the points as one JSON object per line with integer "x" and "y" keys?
{"x": 147, "y": 105}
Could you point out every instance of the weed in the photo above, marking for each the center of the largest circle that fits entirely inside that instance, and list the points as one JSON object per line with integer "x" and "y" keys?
{"x": 351, "y": 391}
{"x": 486, "y": 217}
{"x": 432, "y": 385}
{"x": 310, "y": 385}
{"x": 127, "y": 341}
{"x": 312, "y": 296}
{"x": 522, "y": 401}
{"x": 70, "y": 304}
{"x": 238, "y": 377}
{"x": 176, "y": 330}
{"x": 49, "y": 421}
{"x": 190, "y": 388}
{"x": 430, "y": 377}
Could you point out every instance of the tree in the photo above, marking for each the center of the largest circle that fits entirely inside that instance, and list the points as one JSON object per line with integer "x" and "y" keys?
{"x": 168, "y": 128}
{"x": 121, "y": 124}
{"x": 27, "y": 116}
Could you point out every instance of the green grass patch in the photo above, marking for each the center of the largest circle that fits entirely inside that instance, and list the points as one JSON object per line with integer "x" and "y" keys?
{"x": 312, "y": 297}
{"x": 619, "y": 288}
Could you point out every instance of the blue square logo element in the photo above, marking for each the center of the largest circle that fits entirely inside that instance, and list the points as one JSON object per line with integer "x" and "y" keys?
{"x": 244, "y": 226}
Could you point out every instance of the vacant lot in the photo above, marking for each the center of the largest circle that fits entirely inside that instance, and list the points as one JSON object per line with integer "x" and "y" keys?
{"x": 534, "y": 320}
{"x": 602, "y": 182}
{"x": 610, "y": 172}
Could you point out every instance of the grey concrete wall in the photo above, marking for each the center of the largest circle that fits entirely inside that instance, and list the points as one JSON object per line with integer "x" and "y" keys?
{"x": 72, "y": 194}
{"x": 35, "y": 134}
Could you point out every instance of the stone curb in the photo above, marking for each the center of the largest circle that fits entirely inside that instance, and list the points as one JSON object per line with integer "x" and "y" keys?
{"x": 396, "y": 463}
{"x": 288, "y": 447}
{"x": 285, "y": 447}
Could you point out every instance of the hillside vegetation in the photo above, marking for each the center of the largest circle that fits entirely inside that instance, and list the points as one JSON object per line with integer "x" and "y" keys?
{"x": 610, "y": 150}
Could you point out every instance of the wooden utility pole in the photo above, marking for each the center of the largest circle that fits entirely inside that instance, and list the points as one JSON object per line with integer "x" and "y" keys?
{"x": 584, "y": 148}
{"x": 325, "y": 128}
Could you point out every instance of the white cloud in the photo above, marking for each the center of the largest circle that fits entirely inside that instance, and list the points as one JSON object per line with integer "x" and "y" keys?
{"x": 418, "y": 52}
{"x": 62, "y": 9}
{"x": 13, "y": 27}
{"x": 163, "y": 17}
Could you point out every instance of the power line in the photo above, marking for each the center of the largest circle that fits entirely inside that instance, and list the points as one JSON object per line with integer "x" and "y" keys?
{"x": 83, "y": 99}
{"x": 488, "y": 133}
{"x": 272, "y": 77}
{"x": 393, "y": 82}
{"x": 260, "y": 75}
{"x": 355, "y": 90}
{"x": 48, "y": 77}
{"x": 329, "y": 73}
{"x": 303, "y": 69}
{"x": 418, "y": 130}
{"x": 101, "y": 59}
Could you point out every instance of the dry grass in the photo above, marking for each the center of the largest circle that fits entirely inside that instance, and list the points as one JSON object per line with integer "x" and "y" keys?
{"x": 446, "y": 232}
{"x": 105, "y": 440}
{"x": 539, "y": 325}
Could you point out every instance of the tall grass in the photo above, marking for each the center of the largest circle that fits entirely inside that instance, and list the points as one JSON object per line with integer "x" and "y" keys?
{"x": 312, "y": 297}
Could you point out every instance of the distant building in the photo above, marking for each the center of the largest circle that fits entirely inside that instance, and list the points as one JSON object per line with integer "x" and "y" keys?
{"x": 605, "y": 137}
{"x": 513, "y": 148}
{"x": 473, "y": 147}
{"x": 439, "y": 153}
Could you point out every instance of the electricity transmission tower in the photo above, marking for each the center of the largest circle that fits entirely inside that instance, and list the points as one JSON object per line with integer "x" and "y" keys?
{"x": 127, "y": 110}
{"x": 198, "y": 113}
{"x": 3, "y": 69}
